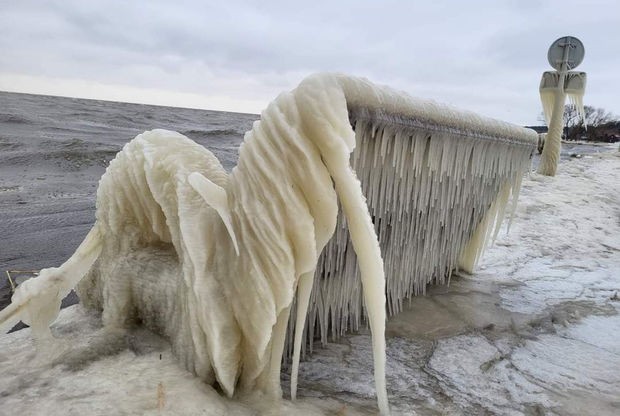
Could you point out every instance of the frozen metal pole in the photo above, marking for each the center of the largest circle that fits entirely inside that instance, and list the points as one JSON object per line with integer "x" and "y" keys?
{"x": 564, "y": 54}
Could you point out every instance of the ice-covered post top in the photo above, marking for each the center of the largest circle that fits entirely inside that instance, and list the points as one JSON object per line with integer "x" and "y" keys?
{"x": 564, "y": 54}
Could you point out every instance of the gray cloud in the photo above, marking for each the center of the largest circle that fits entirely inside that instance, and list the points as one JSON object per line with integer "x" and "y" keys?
{"x": 481, "y": 55}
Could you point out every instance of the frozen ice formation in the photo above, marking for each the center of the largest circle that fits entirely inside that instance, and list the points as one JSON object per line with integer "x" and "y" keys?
{"x": 574, "y": 87}
{"x": 437, "y": 182}
{"x": 227, "y": 266}
{"x": 554, "y": 86}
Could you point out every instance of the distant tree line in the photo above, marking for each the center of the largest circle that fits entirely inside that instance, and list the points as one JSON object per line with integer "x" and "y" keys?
{"x": 601, "y": 125}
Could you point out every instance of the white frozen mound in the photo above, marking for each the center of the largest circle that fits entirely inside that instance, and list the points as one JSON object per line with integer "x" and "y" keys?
{"x": 214, "y": 262}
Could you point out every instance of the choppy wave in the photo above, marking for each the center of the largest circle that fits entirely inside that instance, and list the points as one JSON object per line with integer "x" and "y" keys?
{"x": 15, "y": 119}
{"x": 65, "y": 135}
{"x": 7, "y": 145}
{"x": 211, "y": 133}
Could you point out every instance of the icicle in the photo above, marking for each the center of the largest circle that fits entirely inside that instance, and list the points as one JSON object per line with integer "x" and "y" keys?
{"x": 575, "y": 88}
{"x": 373, "y": 280}
{"x": 547, "y": 93}
{"x": 304, "y": 289}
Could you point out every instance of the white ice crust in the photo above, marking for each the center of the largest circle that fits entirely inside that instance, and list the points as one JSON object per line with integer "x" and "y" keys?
{"x": 215, "y": 261}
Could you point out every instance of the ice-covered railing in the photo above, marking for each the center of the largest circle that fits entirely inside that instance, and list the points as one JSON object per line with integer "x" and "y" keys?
{"x": 214, "y": 261}
{"x": 437, "y": 181}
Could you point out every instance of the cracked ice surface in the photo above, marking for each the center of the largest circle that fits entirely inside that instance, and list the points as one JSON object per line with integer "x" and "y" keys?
{"x": 534, "y": 331}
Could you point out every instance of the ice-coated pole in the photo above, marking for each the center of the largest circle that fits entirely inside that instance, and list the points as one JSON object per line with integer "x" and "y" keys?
{"x": 551, "y": 151}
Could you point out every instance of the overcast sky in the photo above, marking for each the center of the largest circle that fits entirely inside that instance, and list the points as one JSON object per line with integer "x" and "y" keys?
{"x": 485, "y": 56}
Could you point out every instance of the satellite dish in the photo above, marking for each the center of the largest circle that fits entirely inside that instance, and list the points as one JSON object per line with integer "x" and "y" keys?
{"x": 566, "y": 49}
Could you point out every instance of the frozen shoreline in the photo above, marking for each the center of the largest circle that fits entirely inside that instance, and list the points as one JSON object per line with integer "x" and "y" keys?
{"x": 532, "y": 330}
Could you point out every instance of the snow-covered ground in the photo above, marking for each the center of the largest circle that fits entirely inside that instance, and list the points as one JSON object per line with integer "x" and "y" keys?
{"x": 536, "y": 330}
